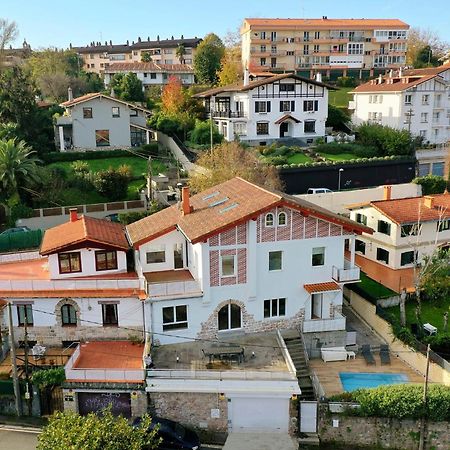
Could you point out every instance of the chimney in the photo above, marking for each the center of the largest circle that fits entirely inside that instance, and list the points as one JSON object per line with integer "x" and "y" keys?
{"x": 391, "y": 73}
{"x": 73, "y": 214}
{"x": 428, "y": 201}
{"x": 380, "y": 78}
{"x": 400, "y": 72}
{"x": 185, "y": 204}
{"x": 246, "y": 77}
{"x": 319, "y": 77}
{"x": 69, "y": 94}
{"x": 387, "y": 192}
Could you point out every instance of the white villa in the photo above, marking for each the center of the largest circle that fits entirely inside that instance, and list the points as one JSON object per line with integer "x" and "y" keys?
{"x": 98, "y": 121}
{"x": 269, "y": 109}
{"x": 417, "y": 100}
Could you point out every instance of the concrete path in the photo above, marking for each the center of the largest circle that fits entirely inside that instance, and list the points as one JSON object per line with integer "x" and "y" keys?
{"x": 260, "y": 441}
{"x": 17, "y": 438}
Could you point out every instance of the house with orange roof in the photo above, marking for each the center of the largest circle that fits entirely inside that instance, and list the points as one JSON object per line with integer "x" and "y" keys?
{"x": 404, "y": 232}
{"x": 416, "y": 100}
{"x": 97, "y": 121}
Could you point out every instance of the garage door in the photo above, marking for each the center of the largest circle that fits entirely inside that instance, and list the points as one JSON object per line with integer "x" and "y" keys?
{"x": 258, "y": 414}
{"x": 93, "y": 402}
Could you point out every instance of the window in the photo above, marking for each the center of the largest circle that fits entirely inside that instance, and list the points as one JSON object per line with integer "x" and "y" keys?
{"x": 273, "y": 49}
{"x": 316, "y": 306}
{"x": 438, "y": 169}
{"x": 275, "y": 260}
{"x": 102, "y": 138}
{"x": 423, "y": 133}
{"x": 360, "y": 246}
{"x": 69, "y": 262}
{"x": 263, "y": 49}
{"x": 287, "y": 106}
{"x": 361, "y": 218}
{"x": 410, "y": 230}
{"x": 310, "y": 126}
{"x": 424, "y": 169}
{"x": 425, "y": 99}
{"x": 178, "y": 256}
{"x": 443, "y": 225}
{"x": 269, "y": 220}
{"x": 287, "y": 87}
{"x": 262, "y": 128}
{"x": 262, "y": 107}
{"x": 240, "y": 128}
{"x": 87, "y": 113}
{"x": 273, "y": 36}
{"x": 407, "y": 258}
{"x": 105, "y": 260}
{"x": 25, "y": 313}
{"x": 382, "y": 255}
{"x": 384, "y": 227}
{"x": 68, "y": 315}
{"x": 310, "y": 105}
{"x": 133, "y": 113}
{"x": 318, "y": 256}
{"x": 156, "y": 254}
{"x": 229, "y": 317}
{"x": 290, "y": 53}
{"x": 262, "y": 61}
{"x": 306, "y": 36}
{"x": 275, "y": 307}
{"x": 153, "y": 76}
{"x": 306, "y": 49}
{"x": 316, "y": 48}
{"x": 175, "y": 317}
{"x": 115, "y": 111}
{"x": 227, "y": 265}
{"x": 424, "y": 117}
{"x": 282, "y": 219}
{"x": 109, "y": 314}
{"x": 316, "y": 34}
{"x": 355, "y": 49}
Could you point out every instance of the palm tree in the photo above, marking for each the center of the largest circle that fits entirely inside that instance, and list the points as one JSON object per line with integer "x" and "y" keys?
{"x": 180, "y": 52}
{"x": 17, "y": 167}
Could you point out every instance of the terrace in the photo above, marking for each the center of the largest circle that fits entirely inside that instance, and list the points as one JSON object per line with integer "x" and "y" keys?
{"x": 169, "y": 283}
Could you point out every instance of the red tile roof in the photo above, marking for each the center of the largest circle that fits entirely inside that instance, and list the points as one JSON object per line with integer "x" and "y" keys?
{"x": 3, "y": 302}
{"x": 322, "y": 287}
{"x": 148, "y": 67}
{"x": 87, "y": 97}
{"x": 394, "y": 84}
{"x": 225, "y": 205}
{"x": 411, "y": 210}
{"x": 428, "y": 70}
{"x": 85, "y": 229}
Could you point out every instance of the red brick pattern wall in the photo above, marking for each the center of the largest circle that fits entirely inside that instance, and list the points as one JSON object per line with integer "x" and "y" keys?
{"x": 241, "y": 269}
{"x": 310, "y": 227}
{"x": 335, "y": 230}
{"x": 242, "y": 233}
{"x": 323, "y": 228}
{"x": 214, "y": 272}
{"x": 228, "y": 237}
{"x": 298, "y": 225}
{"x": 242, "y": 265}
{"x": 233, "y": 236}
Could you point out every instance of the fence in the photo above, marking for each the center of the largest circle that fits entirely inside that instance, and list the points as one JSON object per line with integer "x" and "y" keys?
{"x": 21, "y": 240}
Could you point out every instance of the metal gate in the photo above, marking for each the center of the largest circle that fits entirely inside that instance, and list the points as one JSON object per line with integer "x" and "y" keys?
{"x": 308, "y": 417}
{"x": 51, "y": 400}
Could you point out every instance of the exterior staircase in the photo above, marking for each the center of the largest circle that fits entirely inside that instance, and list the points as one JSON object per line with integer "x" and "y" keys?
{"x": 295, "y": 346}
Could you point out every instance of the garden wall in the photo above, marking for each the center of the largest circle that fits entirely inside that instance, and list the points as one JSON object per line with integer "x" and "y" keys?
{"x": 410, "y": 356}
{"x": 355, "y": 176}
{"x": 380, "y": 432}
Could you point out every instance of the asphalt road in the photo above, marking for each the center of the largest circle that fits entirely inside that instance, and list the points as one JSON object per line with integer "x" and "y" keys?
{"x": 11, "y": 439}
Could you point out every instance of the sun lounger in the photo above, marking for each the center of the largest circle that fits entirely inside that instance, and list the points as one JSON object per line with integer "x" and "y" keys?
{"x": 384, "y": 354}
{"x": 367, "y": 353}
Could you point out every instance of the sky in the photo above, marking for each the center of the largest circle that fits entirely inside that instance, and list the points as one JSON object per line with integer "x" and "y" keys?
{"x": 57, "y": 23}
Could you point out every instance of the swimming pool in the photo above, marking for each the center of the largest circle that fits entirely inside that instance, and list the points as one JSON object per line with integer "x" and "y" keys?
{"x": 356, "y": 380}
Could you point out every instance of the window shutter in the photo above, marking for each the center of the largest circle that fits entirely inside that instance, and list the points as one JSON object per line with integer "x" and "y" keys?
{"x": 268, "y": 107}
{"x": 292, "y": 106}
{"x": 281, "y": 106}
{"x": 305, "y": 105}
{"x": 256, "y": 107}
{"x": 65, "y": 315}
{"x": 316, "y": 105}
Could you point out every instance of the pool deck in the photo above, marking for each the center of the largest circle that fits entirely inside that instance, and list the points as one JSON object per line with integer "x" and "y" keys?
{"x": 328, "y": 372}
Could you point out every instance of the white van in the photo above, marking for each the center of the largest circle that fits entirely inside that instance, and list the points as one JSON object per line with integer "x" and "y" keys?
{"x": 318, "y": 191}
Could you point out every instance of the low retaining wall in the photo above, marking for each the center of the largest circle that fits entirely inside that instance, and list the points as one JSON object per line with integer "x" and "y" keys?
{"x": 380, "y": 432}
{"x": 410, "y": 356}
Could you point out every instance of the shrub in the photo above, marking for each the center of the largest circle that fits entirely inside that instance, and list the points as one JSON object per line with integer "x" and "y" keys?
{"x": 80, "y": 167}
{"x": 112, "y": 183}
{"x": 276, "y": 160}
{"x": 49, "y": 377}
{"x": 346, "y": 82}
{"x": 337, "y": 118}
{"x": 431, "y": 184}
{"x": 201, "y": 134}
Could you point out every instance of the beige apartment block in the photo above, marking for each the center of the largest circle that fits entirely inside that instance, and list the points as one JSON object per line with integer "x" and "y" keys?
{"x": 334, "y": 47}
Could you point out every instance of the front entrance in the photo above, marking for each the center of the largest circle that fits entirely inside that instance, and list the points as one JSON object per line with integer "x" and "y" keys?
{"x": 308, "y": 417}
{"x": 284, "y": 129}
{"x": 93, "y": 402}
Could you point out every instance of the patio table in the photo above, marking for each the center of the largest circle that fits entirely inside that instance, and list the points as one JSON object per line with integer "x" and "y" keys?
{"x": 225, "y": 352}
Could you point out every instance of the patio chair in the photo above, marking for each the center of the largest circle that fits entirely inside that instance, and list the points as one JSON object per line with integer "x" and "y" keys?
{"x": 384, "y": 354}
{"x": 367, "y": 353}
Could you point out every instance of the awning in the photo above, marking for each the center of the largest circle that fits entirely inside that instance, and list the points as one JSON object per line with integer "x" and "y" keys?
{"x": 287, "y": 117}
{"x": 329, "y": 286}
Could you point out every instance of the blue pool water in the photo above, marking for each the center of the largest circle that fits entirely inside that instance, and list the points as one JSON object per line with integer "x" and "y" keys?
{"x": 356, "y": 380}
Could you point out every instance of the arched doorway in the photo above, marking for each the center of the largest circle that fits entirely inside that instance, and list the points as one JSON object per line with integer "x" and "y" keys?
{"x": 229, "y": 317}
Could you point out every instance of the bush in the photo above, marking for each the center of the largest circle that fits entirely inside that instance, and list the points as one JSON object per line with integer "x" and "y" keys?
{"x": 80, "y": 168}
{"x": 112, "y": 183}
{"x": 337, "y": 118}
{"x": 346, "y": 82}
{"x": 276, "y": 160}
{"x": 431, "y": 184}
{"x": 201, "y": 134}
{"x": 364, "y": 152}
{"x": 49, "y": 377}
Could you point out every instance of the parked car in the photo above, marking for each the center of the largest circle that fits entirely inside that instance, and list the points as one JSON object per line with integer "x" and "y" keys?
{"x": 174, "y": 436}
{"x": 22, "y": 229}
{"x": 318, "y": 191}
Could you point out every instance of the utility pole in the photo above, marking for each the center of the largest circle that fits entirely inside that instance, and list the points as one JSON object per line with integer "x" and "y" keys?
{"x": 425, "y": 403}
{"x": 409, "y": 115}
{"x": 149, "y": 179}
{"x": 27, "y": 378}
{"x": 14, "y": 364}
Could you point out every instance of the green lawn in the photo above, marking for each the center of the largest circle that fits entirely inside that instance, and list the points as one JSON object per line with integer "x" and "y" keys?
{"x": 338, "y": 157}
{"x": 133, "y": 189}
{"x": 298, "y": 158}
{"x": 340, "y": 97}
{"x": 374, "y": 288}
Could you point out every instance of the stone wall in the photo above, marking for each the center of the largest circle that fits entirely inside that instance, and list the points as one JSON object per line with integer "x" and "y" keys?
{"x": 380, "y": 432}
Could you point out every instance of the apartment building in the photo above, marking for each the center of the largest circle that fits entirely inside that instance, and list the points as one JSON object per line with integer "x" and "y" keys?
{"x": 417, "y": 100}
{"x": 97, "y": 56}
{"x": 335, "y": 47}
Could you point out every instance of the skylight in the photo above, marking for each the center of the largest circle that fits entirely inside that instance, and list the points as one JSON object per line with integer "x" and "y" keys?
{"x": 219, "y": 202}
{"x": 214, "y": 194}
{"x": 227, "y": 208}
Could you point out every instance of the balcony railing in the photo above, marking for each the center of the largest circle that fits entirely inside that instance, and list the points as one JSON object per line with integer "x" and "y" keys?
{"x": 229, "y": 114}
{"x": 219, "y": 375}
{"x": 346, "y": 274}
{"x": 320, "y": 325}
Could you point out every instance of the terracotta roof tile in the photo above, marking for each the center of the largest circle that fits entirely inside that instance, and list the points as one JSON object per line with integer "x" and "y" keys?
{"x": 322, "y": 287}
{"x": 221, "y": 206}
{"x": 399, "y": 84}
{"x": 411, "y": 210}
{"x": 85, "y": 229}
{"x": 428, "y": 70}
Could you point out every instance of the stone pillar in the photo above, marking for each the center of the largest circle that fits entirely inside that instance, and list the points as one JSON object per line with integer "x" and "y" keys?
{"x": 147, "y": 137}
{"x": 352, "y": 251}
{"x": 61, "y": 138}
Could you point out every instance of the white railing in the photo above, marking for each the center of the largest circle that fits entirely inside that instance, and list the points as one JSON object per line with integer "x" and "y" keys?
{"x": 346, "y": 274}
{"x": 174, "y": 288}
{"x": 63, "y": 285}
{"x": 19, "y": 256}
{"x": 318, "y": 389}
{"x": 319, "y": 325}
{"x": 219, "y": 375}
{"x": 285, "y": 353}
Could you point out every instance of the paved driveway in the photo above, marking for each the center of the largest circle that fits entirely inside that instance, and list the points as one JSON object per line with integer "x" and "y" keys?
{"x": 12, "y": 439}
{"x": 260, "y": 441}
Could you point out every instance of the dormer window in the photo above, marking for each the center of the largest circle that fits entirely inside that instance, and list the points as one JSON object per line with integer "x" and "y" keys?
{"x": 69, "y": 262}
{"x": 282, "y": 219}
{"x": 269, "y": 220}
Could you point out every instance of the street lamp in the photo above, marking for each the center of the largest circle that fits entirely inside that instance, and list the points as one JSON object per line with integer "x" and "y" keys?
{"x": 339, "y": 179}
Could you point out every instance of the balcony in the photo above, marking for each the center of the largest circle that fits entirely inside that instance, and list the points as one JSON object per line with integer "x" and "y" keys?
{"x": 320, "y": 325}
{"x": 229, "y": 114}
{"x": 64, "y": 120}
{"x": 171, "y": 283}
{"x": 347, "y": 274}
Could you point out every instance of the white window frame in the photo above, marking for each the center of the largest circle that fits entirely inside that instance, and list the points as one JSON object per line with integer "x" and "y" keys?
{"x": 275, "y": 270}
{"x": 318, "y": 251}
{"x": 222, "y": 257}
{"x": 176, "y": 324}
{"x": 156, "y": 249}
{"x": 282, "y": 214}
{"x": 271, "y": 302}
{"x": 269, "y": 220}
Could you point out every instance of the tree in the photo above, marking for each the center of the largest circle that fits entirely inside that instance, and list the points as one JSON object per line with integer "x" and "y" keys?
{"x": 230, "y": 69}
{"x": 230, "y": 160}
{"x": 207, "y": 59}
{"x": 172, "y": 97}
{"x": 146, "y": 57}
{"x": 180, "y": 52}
{"x": 128, "y": 87}
{"x": 337, "y": 118}
{"x": 113, "y": 183}
{"x": 201, "y": 134}
{"x": 17, "y": 167}
{"x": 418, "y": 39}
{"x": 8, "y": 33}
{"x": 103, "y": 431}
